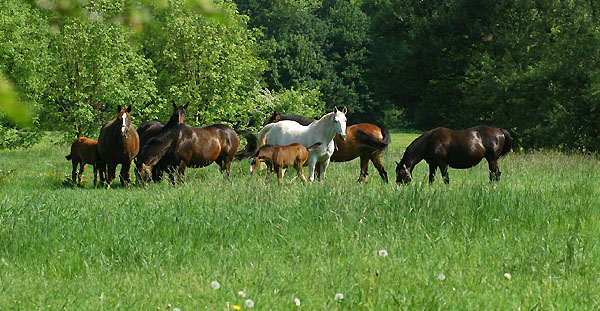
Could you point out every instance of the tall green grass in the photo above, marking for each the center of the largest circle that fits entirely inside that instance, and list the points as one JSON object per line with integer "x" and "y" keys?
{"x": 448, "y": 246}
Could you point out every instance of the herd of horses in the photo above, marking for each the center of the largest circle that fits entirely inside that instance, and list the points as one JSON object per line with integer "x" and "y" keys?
{"x": 284, "y": 141}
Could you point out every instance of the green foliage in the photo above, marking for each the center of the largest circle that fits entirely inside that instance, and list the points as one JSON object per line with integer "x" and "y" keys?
{"x": 210, "y": 65}
{"x": 318, "y": 44}
{"x": 304, "y": 101}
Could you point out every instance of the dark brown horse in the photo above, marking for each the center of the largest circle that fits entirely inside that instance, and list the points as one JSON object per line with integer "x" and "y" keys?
{"x": 84, "y": 151}
{"x": 460, "y": 149}
{"x": 151, "y": 129}
{"x": 363, "y": 140}
{"x": 184, "y": 146}
{"x": 118, "y": 143}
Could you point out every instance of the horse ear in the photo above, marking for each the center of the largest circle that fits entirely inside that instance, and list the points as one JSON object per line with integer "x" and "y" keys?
{"x": 335, "y": 109}
{"x": 174, "y": 105}
{"x": 119, "y": 108}
{"x": 345, "y": 110}
{"x": 186, "y": 105}
{"x": 397, "y": 163}
{"x": 129, "y": 108}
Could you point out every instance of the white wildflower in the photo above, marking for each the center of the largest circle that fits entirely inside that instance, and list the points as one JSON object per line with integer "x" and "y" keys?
{"x": 339, "y": 296}
{"x": 507, "y": 276}
{"x": 383, "y": 253}
{"x": 441, "y": 277}
{"x": 215, "y": 285}
{"x": 297, "y": 302}
{"x": 242, "y": 294}
{"x": 249, "y": 303}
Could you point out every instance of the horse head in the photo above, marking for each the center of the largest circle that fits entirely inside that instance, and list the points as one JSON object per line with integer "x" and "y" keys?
{"x": 179, "y": 114}
{"x": 125, "y": 117}
{"x": 403, "y": 174}
{"x": 339, "y": 118}
{"x": 274, "y": 118}
{"x": 143, "y": 172}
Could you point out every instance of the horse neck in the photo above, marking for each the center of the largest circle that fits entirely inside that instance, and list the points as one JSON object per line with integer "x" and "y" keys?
{"x": 174, "y": 120}
{"x": 414, "y": 153}
{"x": 325, "y": 126}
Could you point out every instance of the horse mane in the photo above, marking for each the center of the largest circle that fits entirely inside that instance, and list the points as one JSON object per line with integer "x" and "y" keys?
{"x": 173, "y": 120}
{"x": 293, "y": 117}
{"x": 155, "y": 147}
{"x": 411, "y": 149}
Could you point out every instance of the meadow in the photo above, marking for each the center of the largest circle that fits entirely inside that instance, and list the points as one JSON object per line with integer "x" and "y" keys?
{"x": 528, "y": 242}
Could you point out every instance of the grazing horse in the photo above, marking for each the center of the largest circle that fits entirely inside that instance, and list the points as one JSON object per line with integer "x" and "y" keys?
{"x": 364, "y": 140}
{"x": 281, "y": 157}
{"x": 118, "y": 143}
{"x": 84, "y": 151}
{"x": 184, "y": 146}
{"x": 323, "y": 131}
{"x": 151, "y": 129}
{"x": 460, "y": 149}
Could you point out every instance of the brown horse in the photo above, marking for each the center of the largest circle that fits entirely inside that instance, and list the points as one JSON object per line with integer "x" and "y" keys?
{"x": 118, "y": 143}
{"x": 281, "y": 157}
{"x": 84, "y": 151}
{"x": 184, "y": 146}
{"x": 363, "y": 140}
{"x": 151, "y": 129}
{"x": 460, "y": 149}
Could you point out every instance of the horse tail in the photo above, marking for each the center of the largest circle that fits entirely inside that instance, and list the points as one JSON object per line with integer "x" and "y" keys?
{"x": 314, "y": 146}
{"x": 262, "y": 134}
{"x": 251, "y": 145}
{"x": 366, "y": 140}
{"x": 507, "y": 142}
{"x": 68, "y": 157}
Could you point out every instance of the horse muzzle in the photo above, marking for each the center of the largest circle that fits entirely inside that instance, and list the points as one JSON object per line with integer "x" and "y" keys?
{"x": 343, "y": 137}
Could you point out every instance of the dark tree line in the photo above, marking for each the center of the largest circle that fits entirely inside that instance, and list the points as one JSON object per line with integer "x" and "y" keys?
{"x": 531, "y": 67}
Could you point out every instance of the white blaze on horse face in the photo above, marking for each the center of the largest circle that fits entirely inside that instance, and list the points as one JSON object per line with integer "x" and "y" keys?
{"x": 124, "y": 127}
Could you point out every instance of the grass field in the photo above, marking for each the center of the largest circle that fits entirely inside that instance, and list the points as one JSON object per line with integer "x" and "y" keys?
{"x": 529, "y": 242}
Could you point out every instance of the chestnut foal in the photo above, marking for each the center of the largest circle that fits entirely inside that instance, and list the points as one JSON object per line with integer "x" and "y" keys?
{"x": 281, "y": 157}
{"x": 84, "y": 151}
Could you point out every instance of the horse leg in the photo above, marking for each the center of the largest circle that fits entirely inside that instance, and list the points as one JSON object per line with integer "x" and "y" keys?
{"x": 432, "y": 168}
{"x": 280, "y": 174}
{"x": 444, "y": 170}
{"x": 323, "y": 168}
{"x": 95, "y": 174}
{"x": 74, "y": 172}
{"x": 300, "y": 172}
{"x": 364, "y": 168}
{"x": 124, "y": 176}
{"x": 494, "y": 170}
{"x": 377, "y": 162}
{"x": 110, "y": 173}
{"x": 311, "y": 168}
{"x": 81, "y": 169}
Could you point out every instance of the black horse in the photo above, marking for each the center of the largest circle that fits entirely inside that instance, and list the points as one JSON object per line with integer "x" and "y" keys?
{"x": 460, "y": 149}
{"x": 151, "y": 129}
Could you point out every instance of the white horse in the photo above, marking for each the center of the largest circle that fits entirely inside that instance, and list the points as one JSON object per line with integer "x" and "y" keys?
{"x": 322, "y": 131}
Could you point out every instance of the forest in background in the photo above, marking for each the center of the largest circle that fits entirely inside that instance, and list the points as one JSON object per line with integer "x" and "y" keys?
{"x": 531, "y": 67}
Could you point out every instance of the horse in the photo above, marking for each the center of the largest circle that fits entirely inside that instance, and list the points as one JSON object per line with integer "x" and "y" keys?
{"x": 182, "y": 146}
{"x": 118, "y": 143}
{"x": 323, "y": 130}
{"x": 364, "y": 140}
{"x": 151, "y": 129}
{"x": 281, "y": 157}
{"x": 83, "y": 151}
{"x": 459, "y": 149}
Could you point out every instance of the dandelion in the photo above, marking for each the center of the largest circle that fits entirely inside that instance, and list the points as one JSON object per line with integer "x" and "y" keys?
{"x": 176, "y": 309}
{"x": 339, "y": 296}
{"x": 237, "y": 308}
{"x": 297, "y": 302}
{"x": 249, "y": 303}
{"x": 215, "y": 285}
{"x": 383, "y": 253}
{"x": 242, "y": 294}
{"x": 507, "y": 276}
{"x": 441, "y": 277}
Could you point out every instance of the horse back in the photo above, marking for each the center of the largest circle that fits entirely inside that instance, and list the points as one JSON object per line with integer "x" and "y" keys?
{"x": 203, "y": 145}
{"x": 85, "y": 150}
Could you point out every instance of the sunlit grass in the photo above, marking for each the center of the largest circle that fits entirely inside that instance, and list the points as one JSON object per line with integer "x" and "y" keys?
{"x": 81, "y": 248}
